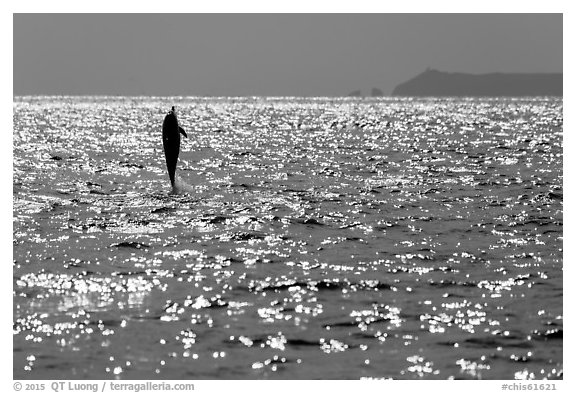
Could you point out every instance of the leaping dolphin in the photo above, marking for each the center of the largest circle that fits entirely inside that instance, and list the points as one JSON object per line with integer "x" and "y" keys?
{"x": 171, "y": 140}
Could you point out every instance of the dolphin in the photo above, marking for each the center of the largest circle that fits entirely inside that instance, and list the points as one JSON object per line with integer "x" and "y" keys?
{"x": 171, "y": 131}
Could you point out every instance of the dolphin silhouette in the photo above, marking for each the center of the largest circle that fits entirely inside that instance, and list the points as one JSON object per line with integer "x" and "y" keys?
{"x": 171, "y": 140}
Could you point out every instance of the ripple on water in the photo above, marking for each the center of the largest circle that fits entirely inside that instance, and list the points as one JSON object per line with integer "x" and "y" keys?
{"x": 334, "y": 238}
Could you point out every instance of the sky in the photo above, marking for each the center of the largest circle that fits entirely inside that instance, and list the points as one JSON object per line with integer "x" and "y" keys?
{"x": 269, "y": 54}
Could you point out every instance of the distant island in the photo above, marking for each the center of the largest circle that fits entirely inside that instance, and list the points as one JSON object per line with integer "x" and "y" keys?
{"x": 437, "y": 83}
{"x": 375, "y": 92}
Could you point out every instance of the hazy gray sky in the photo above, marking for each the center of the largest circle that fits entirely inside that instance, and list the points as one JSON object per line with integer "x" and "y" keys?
{"x": 270, "y": 54}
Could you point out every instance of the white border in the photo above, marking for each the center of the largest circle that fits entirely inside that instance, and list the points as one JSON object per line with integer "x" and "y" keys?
{"x": 299, "y": 6}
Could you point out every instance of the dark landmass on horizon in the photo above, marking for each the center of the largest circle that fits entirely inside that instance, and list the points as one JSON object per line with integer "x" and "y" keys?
{"x": 437, "y": 83}
{"x": 434, "y": 83}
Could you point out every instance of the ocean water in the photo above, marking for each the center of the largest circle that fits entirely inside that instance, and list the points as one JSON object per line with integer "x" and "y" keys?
{"x": 321, "y": 238}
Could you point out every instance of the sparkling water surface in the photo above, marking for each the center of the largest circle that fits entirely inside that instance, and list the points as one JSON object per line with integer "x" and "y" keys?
{"x": 323, "y": 238}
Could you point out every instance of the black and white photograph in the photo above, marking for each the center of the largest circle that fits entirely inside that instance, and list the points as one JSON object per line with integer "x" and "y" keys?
{"x": 287, "y": 196}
